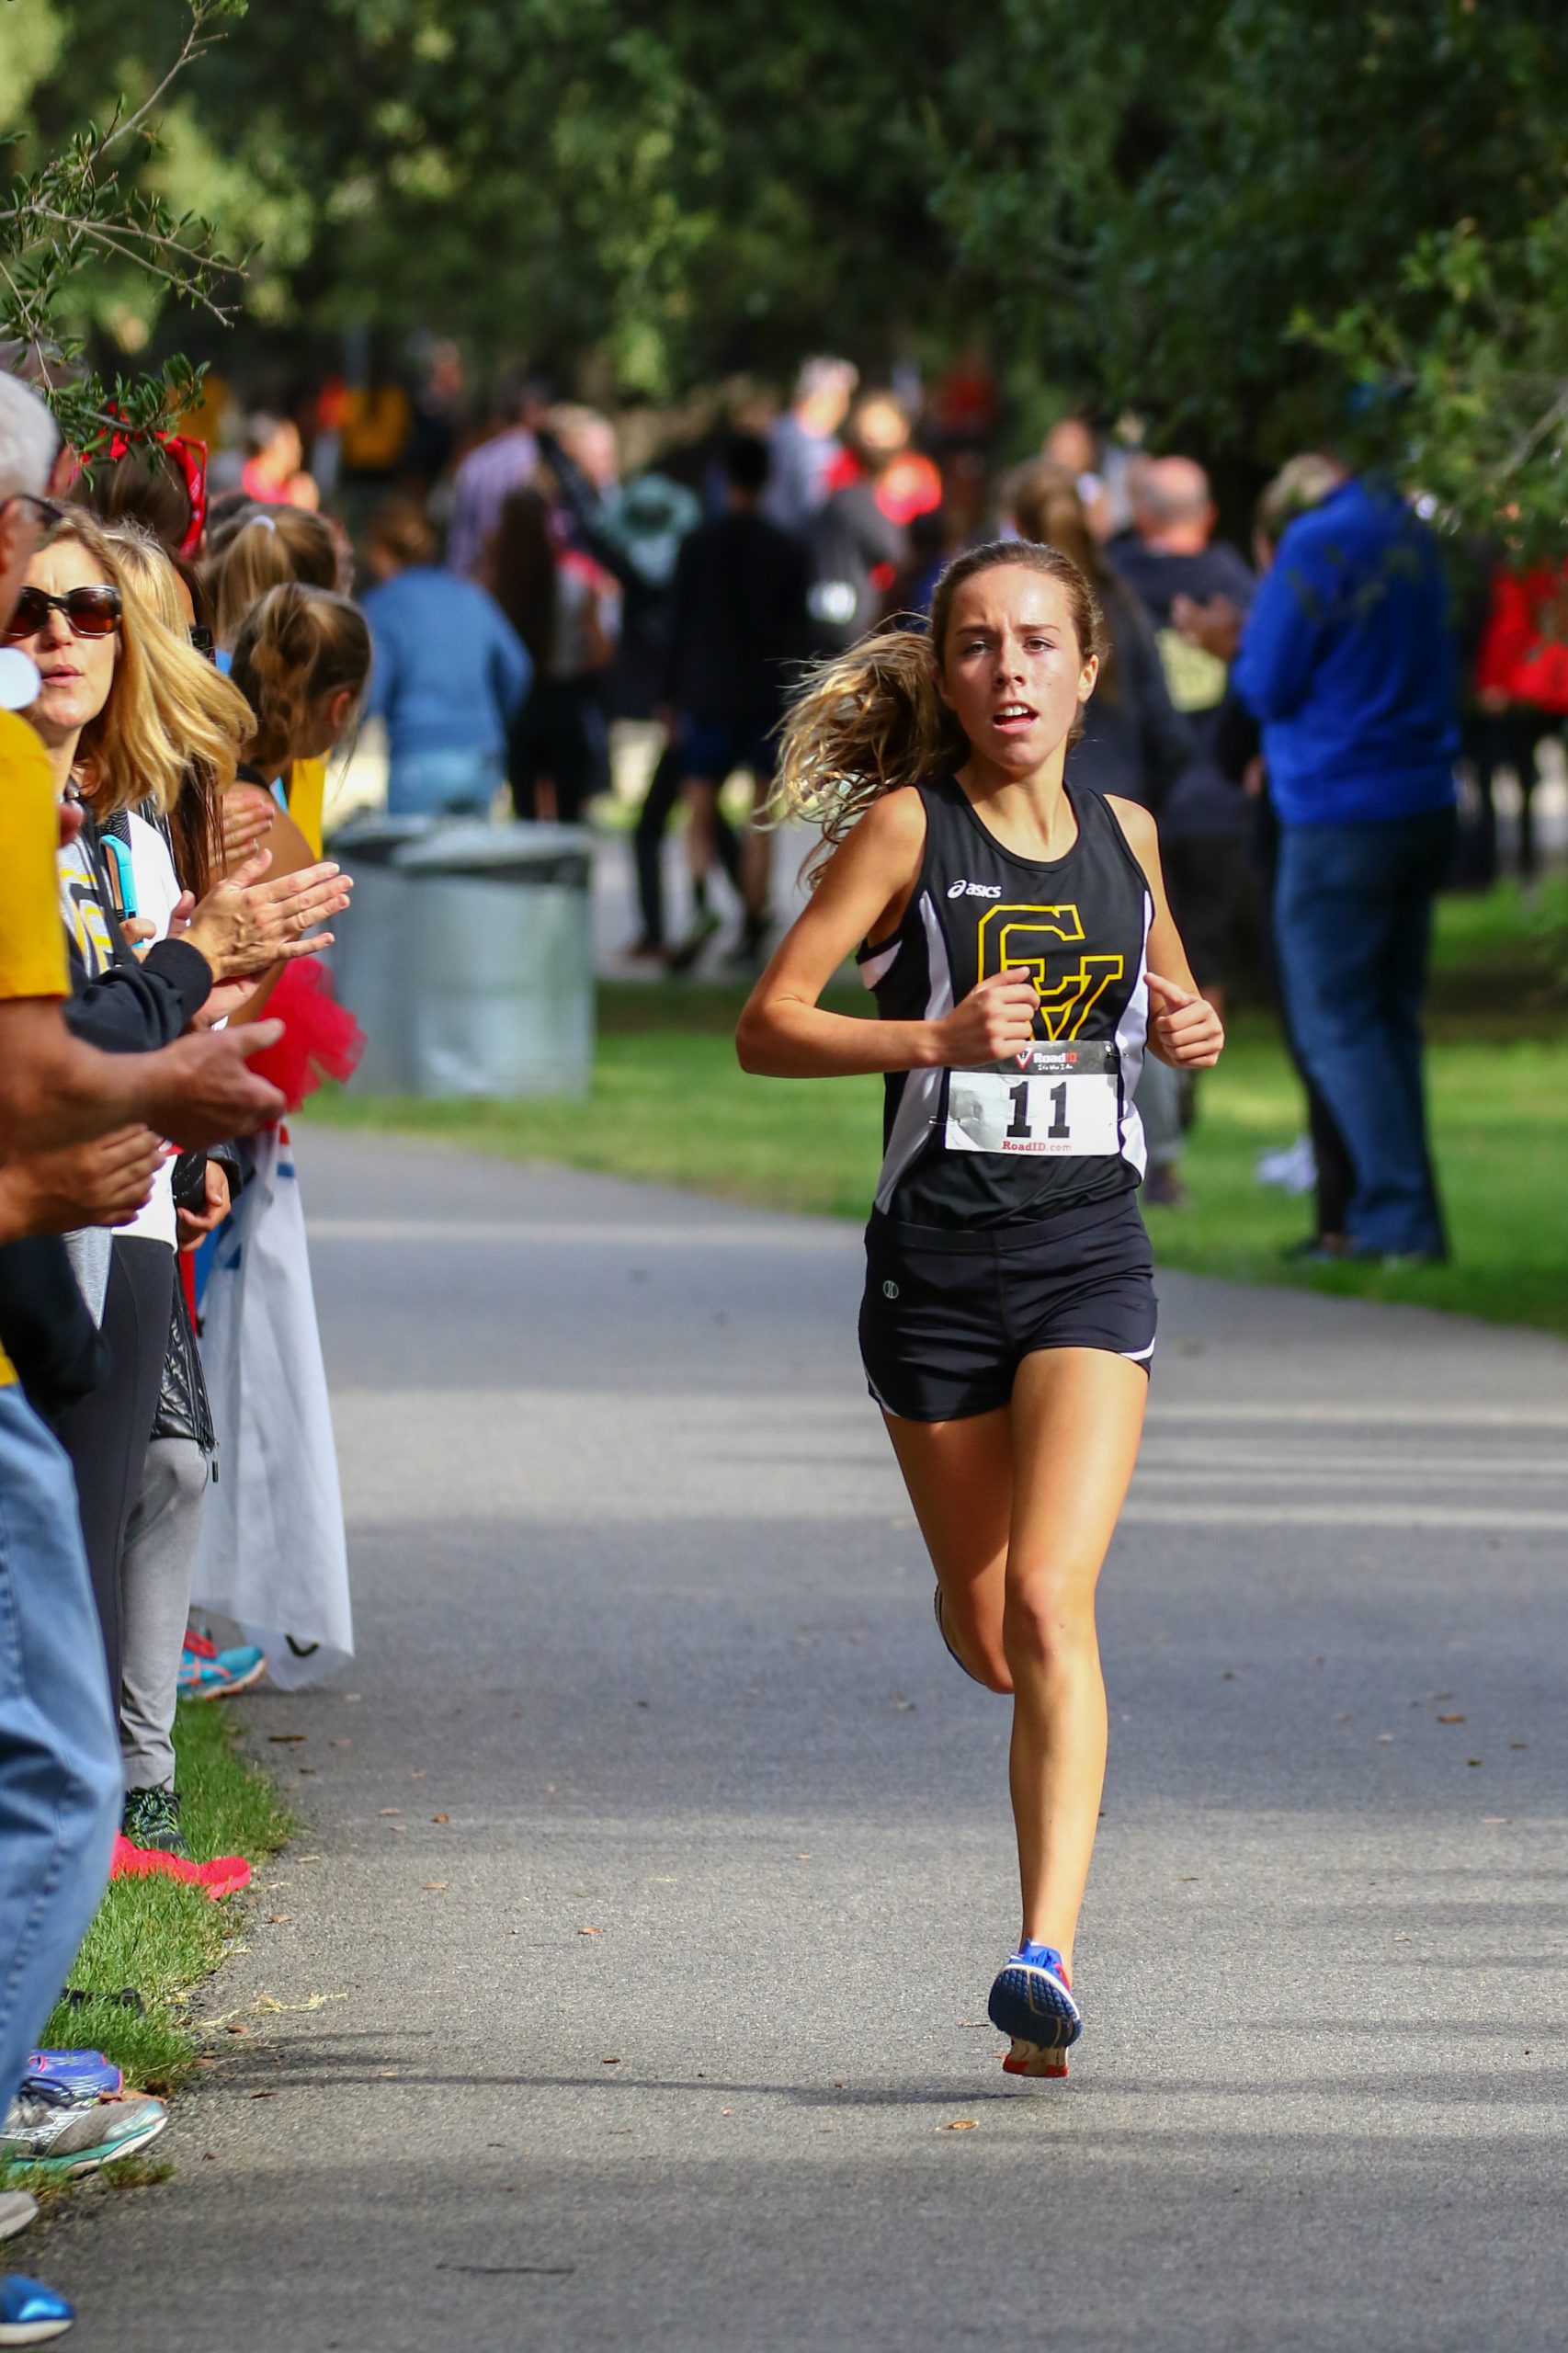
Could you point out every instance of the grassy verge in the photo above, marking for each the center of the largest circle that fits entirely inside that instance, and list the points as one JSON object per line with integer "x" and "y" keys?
{"x": 670, "y": 1104}
{"x": 161, "y": 1938}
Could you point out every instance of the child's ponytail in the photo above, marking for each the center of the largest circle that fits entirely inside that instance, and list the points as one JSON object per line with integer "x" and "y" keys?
{"x": 298, "y": 644}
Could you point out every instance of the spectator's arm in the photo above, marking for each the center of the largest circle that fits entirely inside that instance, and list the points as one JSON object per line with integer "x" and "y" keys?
{"x": 1282, "y": 639}
{"x": 135, "y": 1007}
{"x": 56, "y": 1090}
{"x": 591, "y": 518}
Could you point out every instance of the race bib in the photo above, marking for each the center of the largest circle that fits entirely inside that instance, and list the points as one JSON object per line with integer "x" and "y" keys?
{"x": 1063, "y": 1102}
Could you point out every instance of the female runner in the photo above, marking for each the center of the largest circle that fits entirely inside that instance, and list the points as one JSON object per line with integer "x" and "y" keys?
{"x": 1020, "y": 948}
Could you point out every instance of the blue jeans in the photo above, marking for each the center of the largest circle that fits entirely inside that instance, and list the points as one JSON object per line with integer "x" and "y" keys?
{"x": 1353, "y": 926}
{"x": 442, "y": 784}
{"x": 61, "y": 1791}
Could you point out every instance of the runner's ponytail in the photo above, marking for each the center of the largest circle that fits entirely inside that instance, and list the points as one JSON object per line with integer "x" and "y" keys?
{"x": 867, "y": 722}
{"x": 871, "y": 719}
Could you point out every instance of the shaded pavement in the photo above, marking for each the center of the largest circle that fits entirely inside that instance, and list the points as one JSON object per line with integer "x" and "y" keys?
{"x": 626, "y": 1985}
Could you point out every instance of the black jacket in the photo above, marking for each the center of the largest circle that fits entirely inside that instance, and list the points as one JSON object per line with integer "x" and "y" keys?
{"x": 134, "y": 1006}
{"x": 738, "y": 631}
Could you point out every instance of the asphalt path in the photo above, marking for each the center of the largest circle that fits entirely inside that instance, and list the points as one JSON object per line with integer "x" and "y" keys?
{"x": 626, "y": 1987}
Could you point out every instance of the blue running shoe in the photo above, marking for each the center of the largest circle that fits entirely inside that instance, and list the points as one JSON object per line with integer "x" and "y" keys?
{"x": 1032, "y": 2003}
{"x": 85, "y": 2075}
{"x": 32, "y": 2313}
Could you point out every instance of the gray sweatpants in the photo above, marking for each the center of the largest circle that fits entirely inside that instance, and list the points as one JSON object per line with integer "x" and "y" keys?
{"x": 159, "y": 1551}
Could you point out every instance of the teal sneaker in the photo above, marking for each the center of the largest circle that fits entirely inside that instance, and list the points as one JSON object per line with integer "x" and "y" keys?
{"x": 50, "y": 2133}
{"x": 208, "y": 1673}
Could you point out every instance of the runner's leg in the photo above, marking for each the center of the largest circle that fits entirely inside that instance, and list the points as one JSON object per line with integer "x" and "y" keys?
{"x": 959, "y": 1477}
{"x": 1076, "y": 1415}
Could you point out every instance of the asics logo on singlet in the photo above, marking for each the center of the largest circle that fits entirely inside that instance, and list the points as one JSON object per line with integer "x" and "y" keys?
{"x": 973, "y": 891}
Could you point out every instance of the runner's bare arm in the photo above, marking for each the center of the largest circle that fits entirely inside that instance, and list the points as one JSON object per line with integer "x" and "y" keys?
{"x": 785, "y": 1033}
{"x": 1184, "y": 1029}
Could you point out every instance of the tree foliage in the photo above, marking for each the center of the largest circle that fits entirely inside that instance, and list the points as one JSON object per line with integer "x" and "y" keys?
{"x": 81, "y": 207}
{"x": 1260, "y": 223}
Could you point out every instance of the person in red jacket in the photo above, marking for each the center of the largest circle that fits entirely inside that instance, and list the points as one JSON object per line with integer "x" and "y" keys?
{"x": 1521, "y": 686}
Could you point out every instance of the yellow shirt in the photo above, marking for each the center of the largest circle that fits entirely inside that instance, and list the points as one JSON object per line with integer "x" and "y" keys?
{"x": 32, "y": 942}
{"x": 307, "y": 800}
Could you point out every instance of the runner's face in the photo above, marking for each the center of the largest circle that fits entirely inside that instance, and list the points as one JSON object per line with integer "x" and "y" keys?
{"x": 1011, "y": 670}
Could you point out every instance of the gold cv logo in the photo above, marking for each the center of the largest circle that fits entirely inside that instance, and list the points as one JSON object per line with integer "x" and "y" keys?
{"x": 1032, "y": 939}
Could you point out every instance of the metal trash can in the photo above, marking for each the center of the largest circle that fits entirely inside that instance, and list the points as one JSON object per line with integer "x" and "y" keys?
{"x": 501, "y": 963}
{"x": 371, "y": 948}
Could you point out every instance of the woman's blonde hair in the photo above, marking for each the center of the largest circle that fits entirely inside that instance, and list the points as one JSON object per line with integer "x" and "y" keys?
{"x": 213, "y": 720}
{"x": 871, "y": 720}
{"x": 262, "y": 548}
{"x": 166, "y": 708}
{"x": 298, "y": 644}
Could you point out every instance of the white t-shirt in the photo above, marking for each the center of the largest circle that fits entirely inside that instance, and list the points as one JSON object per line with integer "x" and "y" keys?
{"x": 157, "y": 895}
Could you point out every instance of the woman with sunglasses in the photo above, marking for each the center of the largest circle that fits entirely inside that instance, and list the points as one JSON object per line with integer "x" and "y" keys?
{"x": 120, "y": 721}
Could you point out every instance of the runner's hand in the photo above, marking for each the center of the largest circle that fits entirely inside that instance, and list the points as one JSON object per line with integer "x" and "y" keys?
{"x": 1184, "y": 1030}
{"x": 994, "y": 1020}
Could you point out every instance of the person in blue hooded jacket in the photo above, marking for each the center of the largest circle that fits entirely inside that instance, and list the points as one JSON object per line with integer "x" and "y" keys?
{"x": 1347, "y": 661}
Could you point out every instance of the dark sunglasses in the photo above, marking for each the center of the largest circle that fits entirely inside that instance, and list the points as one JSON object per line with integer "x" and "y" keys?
{"x": 92, "y": 612}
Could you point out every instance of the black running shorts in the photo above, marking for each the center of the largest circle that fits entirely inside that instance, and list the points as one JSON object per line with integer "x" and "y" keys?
{"x": 948, "y": 1317}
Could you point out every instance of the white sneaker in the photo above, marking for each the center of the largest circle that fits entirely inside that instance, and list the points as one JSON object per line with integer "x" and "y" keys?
{"x": 16, "y": 2210}
{"x": 1292, "y": 1166}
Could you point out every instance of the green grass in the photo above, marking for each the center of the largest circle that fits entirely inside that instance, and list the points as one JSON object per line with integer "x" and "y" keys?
{"x": 162, "y": 1938}
{"x": 670, "y": 1104}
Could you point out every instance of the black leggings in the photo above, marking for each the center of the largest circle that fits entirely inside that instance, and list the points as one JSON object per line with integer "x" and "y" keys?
{"x": 107, "y": 1434}
{"x": 659, "y": 806}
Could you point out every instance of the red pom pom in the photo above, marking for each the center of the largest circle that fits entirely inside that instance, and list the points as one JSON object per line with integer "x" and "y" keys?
{"x": 320, "y": 1038}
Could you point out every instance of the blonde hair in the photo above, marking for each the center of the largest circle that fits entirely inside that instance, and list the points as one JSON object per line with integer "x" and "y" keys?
{"x": 167, "y": 709}
{"x": 298, "y": 644}
{"x": 262, "y": 548}
{"x": 871, "y": 719}
{"x": 208, "y": 716}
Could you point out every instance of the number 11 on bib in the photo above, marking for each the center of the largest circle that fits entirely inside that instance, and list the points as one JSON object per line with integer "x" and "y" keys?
{"x": 1060, "y": 1101}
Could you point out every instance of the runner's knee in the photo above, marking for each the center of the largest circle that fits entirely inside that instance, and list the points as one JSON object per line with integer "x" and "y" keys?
{"x": 1044, "y": 1628}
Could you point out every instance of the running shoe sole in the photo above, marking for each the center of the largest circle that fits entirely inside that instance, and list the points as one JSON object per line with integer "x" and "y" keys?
{"x": 1032, "y": 2008}
{"x": 1033, "y": 2059}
